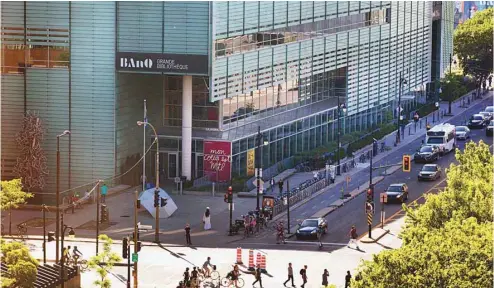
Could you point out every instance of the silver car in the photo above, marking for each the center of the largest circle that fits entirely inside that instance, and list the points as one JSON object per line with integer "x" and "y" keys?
{"x": 462, "y": 132}
{"x": 487, "y": 116}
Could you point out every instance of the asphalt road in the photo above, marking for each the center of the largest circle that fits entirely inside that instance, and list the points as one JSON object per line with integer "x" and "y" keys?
{"x": 353, "y": 212}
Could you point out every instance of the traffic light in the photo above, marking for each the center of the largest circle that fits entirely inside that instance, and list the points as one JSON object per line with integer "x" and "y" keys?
{"x": 407, "y": 163}
{"x": 163, "y": 202}
{"x": 104, "y": 213}
{"x": 230, "y": 194}
{"x": 51, "y": 236}
{"x": 156, "y": 198}
{"x": 139, "y": 244}
{"x": 125, "y": 247}
{"x": 225, "y": 197}
{"x": 370, "y": 195}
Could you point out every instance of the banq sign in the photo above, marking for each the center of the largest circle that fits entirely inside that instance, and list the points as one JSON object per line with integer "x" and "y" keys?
{"x": 166, "y": 63}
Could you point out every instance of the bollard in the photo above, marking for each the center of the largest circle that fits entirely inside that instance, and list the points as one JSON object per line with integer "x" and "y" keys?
{"x": 263, "y": 264}
{"x": 251, "y": 260}
{"x": 239, "y": 256}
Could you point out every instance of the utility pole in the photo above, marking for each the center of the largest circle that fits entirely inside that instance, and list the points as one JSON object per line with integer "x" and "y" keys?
{"x": 230, "y": 204}
{"x": 97, "y": 215}
{"x": 288, "y": 205}
{"x": 258, "y": 165}
{"x": 128, "y": 261}
{"x": 157, "y": 188}
{"x": 338, "y": 138}
{"x": 398, "y": 133}
{"x": 136, "y": 201}
{"x": 43, "y": 207}
{"x": 144, "y": 149}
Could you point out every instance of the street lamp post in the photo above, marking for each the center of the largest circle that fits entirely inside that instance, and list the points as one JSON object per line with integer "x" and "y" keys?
{"x": 341, "y": 107}
{"x": 57, "y": 228}
{"x": 157, "y": 170}
{"x": 287, "y": 203}
{"x": 398, "y": 134}
{"x": 43, "y": 208}
{"x": 258, "y": 161}
{"x": 62, "y": 260}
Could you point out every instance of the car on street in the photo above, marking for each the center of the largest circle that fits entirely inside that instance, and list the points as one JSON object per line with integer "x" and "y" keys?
{"x": 462, "y": 132}
{"x": 397, "y": 193}
{"x": 429, "y": 172}
{"x": 490, "y": 127}
{"x": 489, "y": 109}
{"x": 487, "y": 116}
{"x": 476, "y": 121}
{"x": 308, "y": 228}
{"x": 426, "y": 154}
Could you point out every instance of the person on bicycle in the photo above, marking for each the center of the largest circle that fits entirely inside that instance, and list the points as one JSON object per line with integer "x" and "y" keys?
{"x": 66, "y": 254}
{"x": 205, "y": 266}
{"x": 76, "y": 253}
{"x": 281, "y": 233}
{"x": 233, "y": 276}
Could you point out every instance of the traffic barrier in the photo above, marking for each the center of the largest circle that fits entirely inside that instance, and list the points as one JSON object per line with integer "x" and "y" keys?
{"x": 263, "y": 264}
{"x": 239, "y": 256}
{"x": 258, "y": 259}
{"x": 251, "y": 260}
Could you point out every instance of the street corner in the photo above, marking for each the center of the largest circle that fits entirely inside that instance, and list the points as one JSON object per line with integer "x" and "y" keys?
{"x": 377, "y": 234}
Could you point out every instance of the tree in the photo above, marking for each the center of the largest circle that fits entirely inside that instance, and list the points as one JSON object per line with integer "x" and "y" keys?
{"x": 452, "y": 88}
{"x": 473, "y": 44}
{"x": 106, "y": 256}
{"x": 11, "y": 195}
{"x": 447, "y": 242}
{"x": 22, "y": 267}
{"x": 31, "y": 164}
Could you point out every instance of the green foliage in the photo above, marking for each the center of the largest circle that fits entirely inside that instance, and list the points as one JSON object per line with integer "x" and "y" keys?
{"x": 22, "y": 267}
{"x": 11, "y": 194}
{"x": 447, "y": 242}
{"x": 452, "y": 88}
{"x": 106, "y": 256}
{"x": 473, "y": 43}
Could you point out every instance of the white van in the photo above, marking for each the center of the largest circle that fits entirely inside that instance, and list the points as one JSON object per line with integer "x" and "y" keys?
{"x": 443, "y": 136}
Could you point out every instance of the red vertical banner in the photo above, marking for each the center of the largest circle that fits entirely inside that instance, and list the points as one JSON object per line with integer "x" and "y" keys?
{"x": 218, "y": 160}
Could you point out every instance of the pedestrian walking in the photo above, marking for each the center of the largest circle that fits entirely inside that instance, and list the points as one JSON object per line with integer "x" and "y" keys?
{"x": 325, "y": 275}
{"x": 187, "y": 234}
{"x": 104, "y": 191}
{"x": 348, "y": 278}
{"x": 272, "y": 183}
{"x": 257, "y": 274}
{"x": 206, "y": 219}
{"x": 186, "y": 276}
{"x": 353, "y": 237}
{"x": 290, "y": 275}
{"x": 303, "y": 273}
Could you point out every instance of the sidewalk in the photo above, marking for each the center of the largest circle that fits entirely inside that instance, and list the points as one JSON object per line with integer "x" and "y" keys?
{"x": 191, "y": 207}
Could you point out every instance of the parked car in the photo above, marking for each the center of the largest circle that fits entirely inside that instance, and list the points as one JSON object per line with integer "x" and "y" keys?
{"x": 487, "y": 116}
{"x": 490, "y": 127}
{"x": 397, "y": 193}
{"x": 308, "y": 228}
{"x": 476, "y": 121}
{"x": 462, "y": 132}
{"x": 429, "y": 172}
{"x": 426, "y": 154}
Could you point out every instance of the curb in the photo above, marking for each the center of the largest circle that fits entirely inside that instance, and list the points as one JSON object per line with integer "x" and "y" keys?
{"x": 368, "y": 240}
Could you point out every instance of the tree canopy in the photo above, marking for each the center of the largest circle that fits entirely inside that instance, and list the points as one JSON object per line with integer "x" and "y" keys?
{"x": 106, "y": 256}
{"x": 452, "y": 88}
{"x": 447, "y": 242}
{"x": 11, "y": 194}
{"x": 22, "y": 267}
{"x": 473, "y": 44}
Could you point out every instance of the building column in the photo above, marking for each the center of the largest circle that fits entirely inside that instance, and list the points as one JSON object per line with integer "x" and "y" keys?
{"x": 187, "y": 126}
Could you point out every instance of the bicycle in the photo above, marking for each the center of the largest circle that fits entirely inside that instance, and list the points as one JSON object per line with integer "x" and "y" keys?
{"x": 82, "y": 264}
{"x": 21, "y": 230}
{"x": 226, "y": 282}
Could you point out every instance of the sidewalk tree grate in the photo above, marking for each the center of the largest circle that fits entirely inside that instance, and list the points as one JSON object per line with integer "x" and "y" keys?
{"x": 37, "y": 222}
{"x": 91, "y": 225}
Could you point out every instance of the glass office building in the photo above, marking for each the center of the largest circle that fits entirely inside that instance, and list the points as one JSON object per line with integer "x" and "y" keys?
{"x": 212, "y": 74}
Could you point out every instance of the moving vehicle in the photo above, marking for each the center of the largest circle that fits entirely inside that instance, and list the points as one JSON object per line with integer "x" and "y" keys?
{"x": 442, "y": 136}
{"x": 397, "y": 193}
{"x": 429, "y": 172}
{"x": 476, "y": 121}
{"x": 490, "y": 127}
{"x": 426, "y": 154}
{"x": 462, "y": 132}
{"x": 487, "y": 116}
{"x": 309, "y": 227}
{"x": 489, "y": 109}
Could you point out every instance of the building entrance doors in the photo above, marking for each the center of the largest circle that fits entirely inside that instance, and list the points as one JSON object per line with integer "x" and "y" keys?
{"x": 173, "y": 165}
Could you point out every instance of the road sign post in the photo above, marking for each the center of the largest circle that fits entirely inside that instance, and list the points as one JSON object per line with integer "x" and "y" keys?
{"x": 383, "y": 199}
{"x": 369, "y": 222}
{"x": 135, "y": 257}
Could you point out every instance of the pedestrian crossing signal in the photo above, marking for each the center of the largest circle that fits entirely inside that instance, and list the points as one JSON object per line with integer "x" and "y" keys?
{"x": 370, "y": 195}
{"x": 407, "y": 163}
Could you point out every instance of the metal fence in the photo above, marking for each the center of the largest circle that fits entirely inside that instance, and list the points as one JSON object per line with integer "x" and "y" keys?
{"x": 298, "y": 194}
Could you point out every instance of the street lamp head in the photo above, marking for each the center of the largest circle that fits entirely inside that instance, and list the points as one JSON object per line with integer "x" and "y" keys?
{"x": 71, "y": 233}
{"x": 140, "y": 123}
{"x": 66, "y": 132}
{"x": 266, "y": 143}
